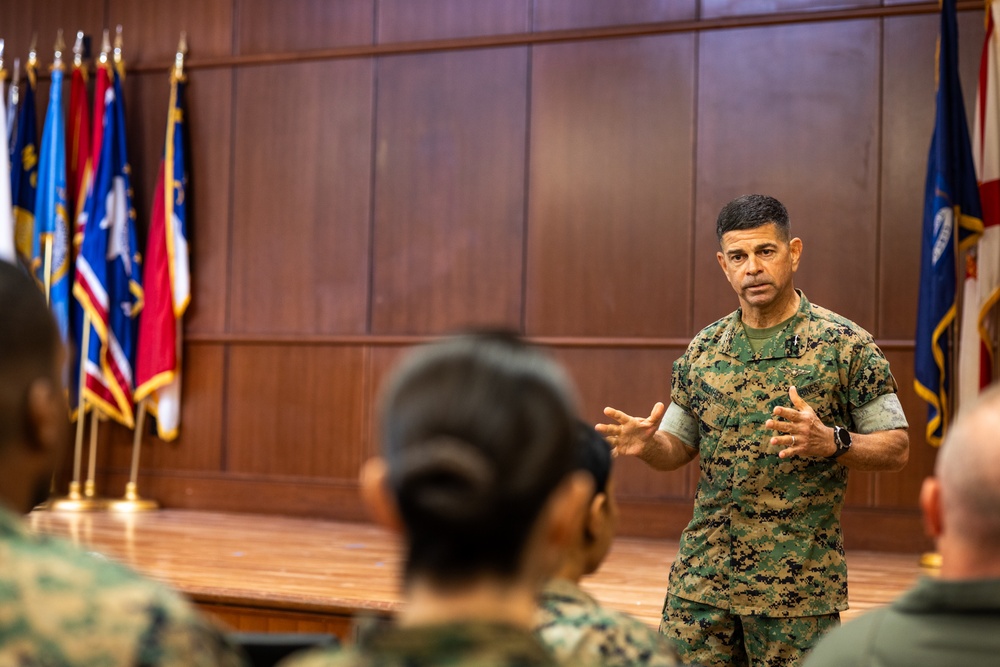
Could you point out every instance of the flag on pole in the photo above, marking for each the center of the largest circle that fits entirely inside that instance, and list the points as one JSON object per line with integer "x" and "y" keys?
{"x": 109, "y": 267}
{"x": 952, "y": 221}
{"x": 24, "y": 170}
{"x": 8, "y": 253}
{"x": 51, "y": 240}
{"x": 166, "y": 281}
{"x": 78, "y": 145}
{"x": 982, "y": 276}
{"x": 94, "y": 384}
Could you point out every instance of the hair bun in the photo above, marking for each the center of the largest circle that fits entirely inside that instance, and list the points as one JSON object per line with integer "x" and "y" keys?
{"x": 445, "y": 479}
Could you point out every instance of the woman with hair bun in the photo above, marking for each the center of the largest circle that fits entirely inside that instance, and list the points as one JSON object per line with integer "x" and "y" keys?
{"x": 478, "y": 476}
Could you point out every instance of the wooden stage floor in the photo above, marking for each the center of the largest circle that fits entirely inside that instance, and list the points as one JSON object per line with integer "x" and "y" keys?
{"x": 267, "y": 573}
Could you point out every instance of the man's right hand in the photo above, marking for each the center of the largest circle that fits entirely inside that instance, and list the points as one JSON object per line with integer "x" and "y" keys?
{"x": 632, "y": 436}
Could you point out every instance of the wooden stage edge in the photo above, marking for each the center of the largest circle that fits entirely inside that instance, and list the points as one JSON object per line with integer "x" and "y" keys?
{"x": 280, "y": 574}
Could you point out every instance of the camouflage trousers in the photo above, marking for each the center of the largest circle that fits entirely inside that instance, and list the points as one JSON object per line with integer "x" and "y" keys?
{"x": 713, "y": 637}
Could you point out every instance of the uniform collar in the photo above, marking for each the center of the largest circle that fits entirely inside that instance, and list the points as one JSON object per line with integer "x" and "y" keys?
{"x": 567, "y": 590}
{"x": 792, "y": 341}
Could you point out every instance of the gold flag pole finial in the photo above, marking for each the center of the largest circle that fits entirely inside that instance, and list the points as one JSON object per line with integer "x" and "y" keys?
{"x": 3, "y": 72}
{"x": 182, "y": 48}
{"x": 32, "y": 63}
{"x": 14, "y": 92}
{"x": 119, "y": 57}
{"x": 78, "y": 50}
{"x": 105, "y": 47}
{"x": 60, "y": 46}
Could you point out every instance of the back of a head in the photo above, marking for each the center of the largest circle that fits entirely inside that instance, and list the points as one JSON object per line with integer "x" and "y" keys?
{"x": 968, "y": 470}
{"x": 29, "y": 342}
{"x": 478, "y": 431}
{"x": 750, "y": 212}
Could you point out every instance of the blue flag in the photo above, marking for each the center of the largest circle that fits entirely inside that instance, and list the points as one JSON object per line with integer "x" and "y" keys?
{"x": 108, "y": 283}
{"x": 952, "y": 222}
{"x": 50, "y": 243}
{"x": 24, "y": 172}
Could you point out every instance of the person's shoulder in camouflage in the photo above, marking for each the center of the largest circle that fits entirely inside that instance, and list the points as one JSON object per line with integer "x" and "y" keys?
{"x": 59, "y": 606}
{"x": 62, "y": 606}
{"x": 447, "y": 645}
{"x": 578, "y": 630}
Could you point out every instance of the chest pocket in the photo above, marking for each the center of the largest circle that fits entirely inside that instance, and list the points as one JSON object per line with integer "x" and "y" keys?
{"x": 827, "y": 397}
{"x": 714, "y": 409}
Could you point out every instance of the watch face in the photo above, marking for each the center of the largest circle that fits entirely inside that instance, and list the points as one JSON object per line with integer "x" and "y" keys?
{"x": 843, "y": 437}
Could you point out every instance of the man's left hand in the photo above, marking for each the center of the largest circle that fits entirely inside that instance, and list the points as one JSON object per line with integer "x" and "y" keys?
{"x": 800, "y": 431}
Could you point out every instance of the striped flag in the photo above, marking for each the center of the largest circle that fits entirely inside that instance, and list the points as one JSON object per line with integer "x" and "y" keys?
{"x": 952, "y": 222}
{"x": 51, "y": 240}
{"x": 982, "y": 276}
{"x": 24, "y": 171}
{"x": 109, "y": 267}
{"x": 166, "y": 280}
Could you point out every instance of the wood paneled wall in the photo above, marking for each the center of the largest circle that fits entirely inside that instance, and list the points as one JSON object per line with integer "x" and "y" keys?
{"x": 369, "y": 173}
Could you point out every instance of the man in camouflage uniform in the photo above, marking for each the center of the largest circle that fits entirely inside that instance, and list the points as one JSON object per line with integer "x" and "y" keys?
{"x": 59, "y": 606}
{"x": 778, "y": 400}
{"x": 575, "y": 627}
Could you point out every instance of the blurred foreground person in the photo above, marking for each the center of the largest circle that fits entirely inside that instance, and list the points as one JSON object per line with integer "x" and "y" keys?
{"x": 478, "y": 475}
{"x": 571, "y": 622}
{"x": 60, "y": 606}
{"x": 953, "y": 619}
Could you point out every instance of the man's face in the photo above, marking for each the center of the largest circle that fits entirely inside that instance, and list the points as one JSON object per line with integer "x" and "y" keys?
{"x": 759, "y": 265}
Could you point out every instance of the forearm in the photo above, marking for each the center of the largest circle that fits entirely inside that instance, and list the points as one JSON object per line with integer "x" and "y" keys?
{"x": 667, "y": 452}
{"x": 882, "y": 451}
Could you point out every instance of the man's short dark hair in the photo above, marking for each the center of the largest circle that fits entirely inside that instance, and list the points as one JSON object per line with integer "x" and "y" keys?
{"x": 477, "y": 432}
{"x": 750, "y": 212}
{"x": 29, "y": 342}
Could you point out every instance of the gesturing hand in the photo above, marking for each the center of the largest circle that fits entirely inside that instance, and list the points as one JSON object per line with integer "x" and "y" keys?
{"x": 800, "y": 430}
{"x": 630, "y": 436}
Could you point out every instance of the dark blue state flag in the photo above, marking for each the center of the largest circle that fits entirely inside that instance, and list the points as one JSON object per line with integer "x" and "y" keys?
{"x": 109, "y": 272}
{"x": 952, "y": 222}
{"x": 24, "y": 172}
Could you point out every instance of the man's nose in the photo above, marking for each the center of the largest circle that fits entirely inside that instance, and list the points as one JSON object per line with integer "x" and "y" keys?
{"x": 752, "y": 265}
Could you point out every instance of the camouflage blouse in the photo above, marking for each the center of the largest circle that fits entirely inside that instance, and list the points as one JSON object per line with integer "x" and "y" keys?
{"x": 450, "y": 645}
{"x": 579, "y": 631}
{"x": 765, "y": 537}
{"x": 63, "y": 607}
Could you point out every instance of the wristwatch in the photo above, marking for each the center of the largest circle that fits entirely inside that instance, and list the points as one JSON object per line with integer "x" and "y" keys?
{"x": 841, "y": 438}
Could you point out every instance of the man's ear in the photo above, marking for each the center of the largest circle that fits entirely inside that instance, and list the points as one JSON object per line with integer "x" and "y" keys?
{"x": 46, "y": 416}
{"x": 596, "y": 515}
{"x": 377, "y": 496}
{"x": 795, "y": 249}
{"x": 569, "y": 508}
{"x": 930, "y": 505}
{"x": 722, "y": 263}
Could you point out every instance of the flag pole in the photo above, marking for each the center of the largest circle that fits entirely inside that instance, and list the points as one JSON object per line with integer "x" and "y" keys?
{"x": 75, "y": 501}
{"x": 132, "y": 502}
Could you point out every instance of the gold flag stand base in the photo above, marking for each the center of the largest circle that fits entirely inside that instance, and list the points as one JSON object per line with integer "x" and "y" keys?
{"x": 931, "y": 561}
{"x": 76, "y": 501}
{"x": 132, "y": 502}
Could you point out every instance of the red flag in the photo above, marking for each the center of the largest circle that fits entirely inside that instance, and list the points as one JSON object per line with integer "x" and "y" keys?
{"x": 166, "y": 281}
{"x": 77, "y": 147}
{"x": 982, "y": 278}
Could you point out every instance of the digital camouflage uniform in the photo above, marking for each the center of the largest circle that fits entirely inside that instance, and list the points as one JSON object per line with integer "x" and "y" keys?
{"x": 448, "y": 645}
{"x": 579, "y": 631}
{"x": 63, "y": 607}
{"x": 765, "y": 537}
